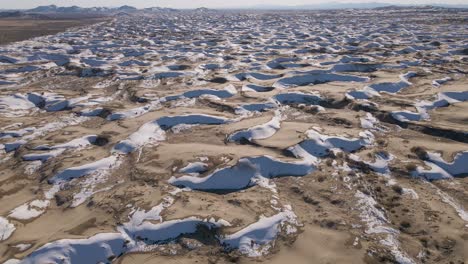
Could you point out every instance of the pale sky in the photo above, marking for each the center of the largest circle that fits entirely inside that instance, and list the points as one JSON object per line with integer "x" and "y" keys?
{"x": 21, "y": 4}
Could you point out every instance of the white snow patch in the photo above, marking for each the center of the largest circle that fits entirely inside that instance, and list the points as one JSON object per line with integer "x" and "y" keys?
{"x": 377, "y": 223}
{"x": 258, "y": 238}
{"x": 96, "y": 249}
{"x": 100, "y": 167}
{"x": 29, "y": 210}
{"x": 194, "y": 168}
{"x": 258, "y": 132}
{"x": 318, "y": 145}
{"x": 440, "y": 169}
{"x": 244, "y": 173}
{"x": 6, "y": 229}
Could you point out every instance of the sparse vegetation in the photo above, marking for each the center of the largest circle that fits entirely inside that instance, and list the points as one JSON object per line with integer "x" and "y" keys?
{"x": 213, "y": 136}
{"x": 420, "y": 152}
{"x": 397, "y": 189}
{"x": 410, "y": 167}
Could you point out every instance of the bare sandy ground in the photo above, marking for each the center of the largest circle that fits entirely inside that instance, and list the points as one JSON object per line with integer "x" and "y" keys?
{"x": 141, "y": 140}
{"x": 23, "y": 29}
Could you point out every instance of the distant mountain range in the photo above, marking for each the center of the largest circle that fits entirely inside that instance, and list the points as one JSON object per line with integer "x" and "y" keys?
{"x": 22, "y": 15}
{"x": 337, "y": 5}
{"x": 77, "y": 9}
{"x": 53, "y": 9}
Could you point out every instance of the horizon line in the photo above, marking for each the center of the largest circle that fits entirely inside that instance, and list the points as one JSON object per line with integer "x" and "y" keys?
{"x": 266, "y": 6}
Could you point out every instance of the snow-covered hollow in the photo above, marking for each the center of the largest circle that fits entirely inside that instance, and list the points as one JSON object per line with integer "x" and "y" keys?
{"x": 256, "y": 239}
{"x": 244, "y": 174}
{"x": 254, "y": 107}
{"x": 281, "y": 63}
{"x": 16, "y": 102}
{"x": 441, "y": 100}
{"x": 374, "y": 90}
{"x": 458, "y": 167}
{"x": 146, "y": 134}
{"x": 362, "y": 94}
{"x": 453, "y": 97}
{"x": 406, "y": 116}
{"x": 318, "y": 145}
{"x": 99, "y": 166}
{"x": 439, "y": 82}
{"x": 440, "y": 169}
{"x": 317, "y": 78}
{"x": 168, "y": 122}
{"x": 50, "y": 102}
{"x": 258, "y": 132}
{"x": 356, "y": 67}
{"x": 227, "y": 92}
{"x": 54, "y": 151}
{"x": 256, "y": 88}
{"x": 162, "y": 232}
{"x": 106, "y": 247}
{"x": 394, "y": 87}
{"x": 101, "y": 248}
{"x": 134, "y": 112}
{"x": 154, "y": 131}
{"x": 69, "y": 120}
{"x": 16, "y": 133}
{"x": 297, "y": 98}
{"x": 256, "y": 76}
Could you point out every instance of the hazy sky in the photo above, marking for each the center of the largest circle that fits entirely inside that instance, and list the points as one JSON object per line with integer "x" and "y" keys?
{"x": 195, "y": 3}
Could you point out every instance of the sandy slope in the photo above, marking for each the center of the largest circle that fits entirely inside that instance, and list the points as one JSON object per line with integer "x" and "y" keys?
{"x": 301, "y": 141}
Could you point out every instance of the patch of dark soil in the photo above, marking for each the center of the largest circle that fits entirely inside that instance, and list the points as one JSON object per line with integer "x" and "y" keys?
{"x": 220, "y": 80}
{"x": 101, "y": 140}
